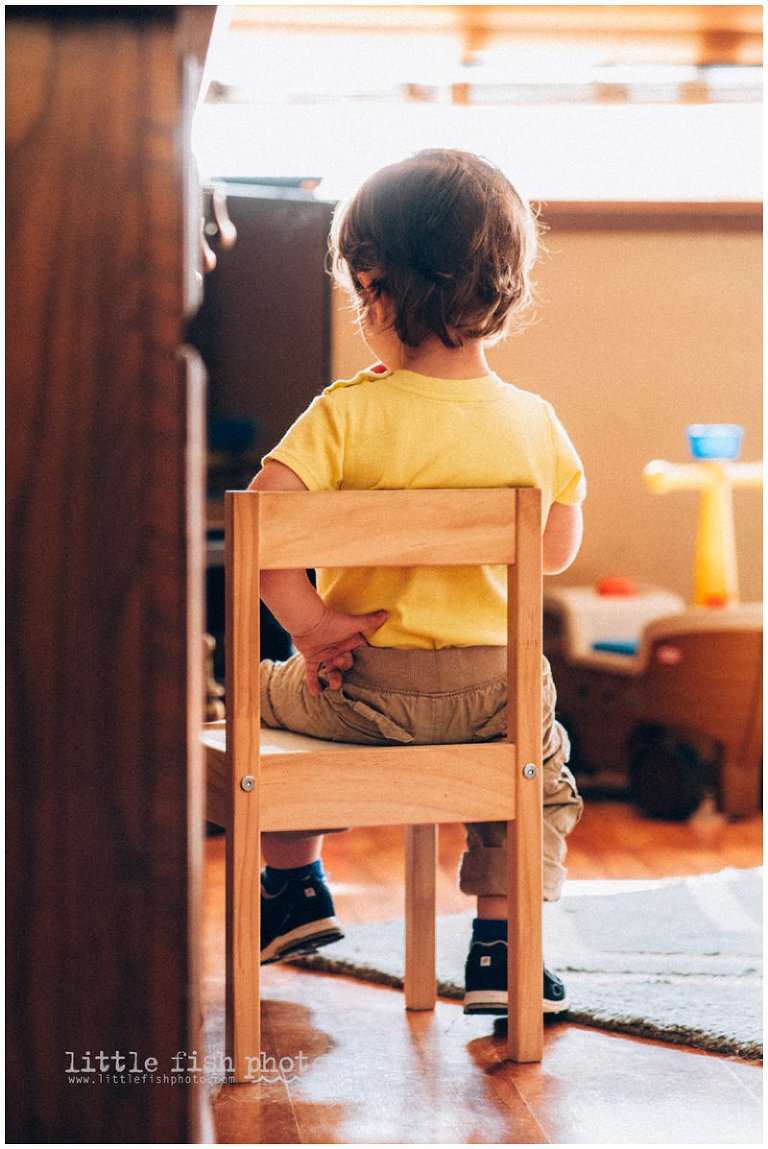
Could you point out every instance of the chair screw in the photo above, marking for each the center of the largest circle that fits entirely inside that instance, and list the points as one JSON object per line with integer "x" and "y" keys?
{"x": 247, "y": 782}
{"x": 529, "y": 770}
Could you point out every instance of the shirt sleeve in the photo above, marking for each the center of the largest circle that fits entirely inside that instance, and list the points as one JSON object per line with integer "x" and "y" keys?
{"x": 313, "y": 446}
{"x": 570, "y": 485}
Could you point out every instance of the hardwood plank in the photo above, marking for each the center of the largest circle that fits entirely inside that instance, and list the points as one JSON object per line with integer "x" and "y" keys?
{"x": 746, "y": 1077}
{"x": 615, "y": 841}
{"x": 630, "y": 1091}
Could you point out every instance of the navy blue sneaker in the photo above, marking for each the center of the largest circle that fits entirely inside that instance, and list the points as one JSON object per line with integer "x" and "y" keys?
{"x": 298, "y": 918}
{"x": 485, "y": 980}
{"x": 555, "y": 997}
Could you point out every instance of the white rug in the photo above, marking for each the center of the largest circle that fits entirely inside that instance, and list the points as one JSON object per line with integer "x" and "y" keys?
{"x": 678, "y": 960}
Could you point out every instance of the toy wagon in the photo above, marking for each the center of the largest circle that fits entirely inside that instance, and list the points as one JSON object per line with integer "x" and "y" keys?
{"x": 662, "y": 702}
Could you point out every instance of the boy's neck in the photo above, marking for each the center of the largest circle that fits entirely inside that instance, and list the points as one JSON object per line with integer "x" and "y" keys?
{"x": 435, "y": 359}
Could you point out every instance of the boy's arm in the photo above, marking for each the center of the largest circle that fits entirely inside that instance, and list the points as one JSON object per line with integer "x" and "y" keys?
{"x": 562, "y": 537}
{"x": 324, "y": 637}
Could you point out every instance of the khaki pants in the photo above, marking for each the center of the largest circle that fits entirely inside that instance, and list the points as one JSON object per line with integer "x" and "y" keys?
{"x": 427, "y": 697}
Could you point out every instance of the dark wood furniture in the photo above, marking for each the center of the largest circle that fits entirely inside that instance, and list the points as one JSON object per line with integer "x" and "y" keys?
{"x": 264, "y": 327}
{"x": 264, "y": 331}
{"x": 105, "y": 435}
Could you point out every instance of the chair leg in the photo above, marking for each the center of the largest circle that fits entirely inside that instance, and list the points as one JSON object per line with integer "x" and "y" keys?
{"x": 420, "y": 866}
{"x": 525, "y": 1028}
{"x": 243, "y": 893}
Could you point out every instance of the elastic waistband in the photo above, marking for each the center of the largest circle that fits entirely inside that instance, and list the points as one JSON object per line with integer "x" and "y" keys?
{"x": 427, "y": 671}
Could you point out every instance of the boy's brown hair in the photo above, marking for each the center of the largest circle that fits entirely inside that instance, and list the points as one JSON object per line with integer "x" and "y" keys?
{"x": 448, "y": 238}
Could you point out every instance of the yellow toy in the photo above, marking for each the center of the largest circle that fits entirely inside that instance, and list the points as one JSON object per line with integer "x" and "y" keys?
{"x": 715, "y": 447}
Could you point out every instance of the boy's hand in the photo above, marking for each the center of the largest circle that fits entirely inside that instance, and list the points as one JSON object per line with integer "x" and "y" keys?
{"x": 329, "y": 644}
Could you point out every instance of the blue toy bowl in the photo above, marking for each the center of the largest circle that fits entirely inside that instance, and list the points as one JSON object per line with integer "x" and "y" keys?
{"x": 714, "y": 440}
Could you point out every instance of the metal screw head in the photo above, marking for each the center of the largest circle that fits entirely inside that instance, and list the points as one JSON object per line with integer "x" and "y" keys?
{"x": 529, "y": 770}
{"x": 247, "y": 782}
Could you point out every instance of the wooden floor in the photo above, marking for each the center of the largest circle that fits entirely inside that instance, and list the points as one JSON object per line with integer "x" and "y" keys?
{"x": 366, "y": 1072}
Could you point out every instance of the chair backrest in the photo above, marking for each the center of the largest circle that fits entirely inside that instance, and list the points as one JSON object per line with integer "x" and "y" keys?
{"x": 282, "y": 530}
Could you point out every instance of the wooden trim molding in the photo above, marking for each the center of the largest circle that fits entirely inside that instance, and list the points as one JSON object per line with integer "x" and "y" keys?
{"x": 725, "y": 215}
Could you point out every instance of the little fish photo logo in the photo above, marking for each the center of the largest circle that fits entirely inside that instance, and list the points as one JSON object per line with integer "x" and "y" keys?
{"x": 285, "y": 1069}
{"x": 101, "y": 1067}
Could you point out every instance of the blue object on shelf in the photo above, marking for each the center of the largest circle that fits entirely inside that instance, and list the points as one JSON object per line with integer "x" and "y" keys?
{"x": 715, "y": 440}
{"x": 626, "y": 646}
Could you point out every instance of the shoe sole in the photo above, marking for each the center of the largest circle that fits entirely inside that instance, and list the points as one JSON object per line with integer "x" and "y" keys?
{"x": 556, "y": 1006}
{"x": 490, "y": 1001}
{"x": 496, "y": 1004}
{"x": 304, "y": 939}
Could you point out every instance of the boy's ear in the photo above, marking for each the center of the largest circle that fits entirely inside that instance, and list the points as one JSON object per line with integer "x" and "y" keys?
{"x": 382, "y": 310}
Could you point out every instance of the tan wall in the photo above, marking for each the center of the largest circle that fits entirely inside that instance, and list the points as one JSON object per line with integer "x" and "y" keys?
{"x": 643, "y": 327}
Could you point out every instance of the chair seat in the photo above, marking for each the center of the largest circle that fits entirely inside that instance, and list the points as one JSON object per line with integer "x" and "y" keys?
{"x": 273, "y": 741}
{"x": 426, "y": 783}
{"x": 214, "y": 740}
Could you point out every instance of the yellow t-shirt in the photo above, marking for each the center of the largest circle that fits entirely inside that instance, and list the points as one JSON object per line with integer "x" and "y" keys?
{"x": 392, "y": 430}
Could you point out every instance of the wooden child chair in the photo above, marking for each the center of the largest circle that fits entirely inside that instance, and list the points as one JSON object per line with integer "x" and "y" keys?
{"x": 263, "y": 779}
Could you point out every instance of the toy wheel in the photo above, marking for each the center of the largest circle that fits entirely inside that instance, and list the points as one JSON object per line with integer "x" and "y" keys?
{"x": 667, "y": 778}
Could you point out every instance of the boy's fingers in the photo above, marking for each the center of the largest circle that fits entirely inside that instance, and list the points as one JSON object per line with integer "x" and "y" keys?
{"x": 337, "y": 657}
{"x": 373, "y": 620}
{"x": 340, "y": 649}
{"x": 313, "y": 680}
